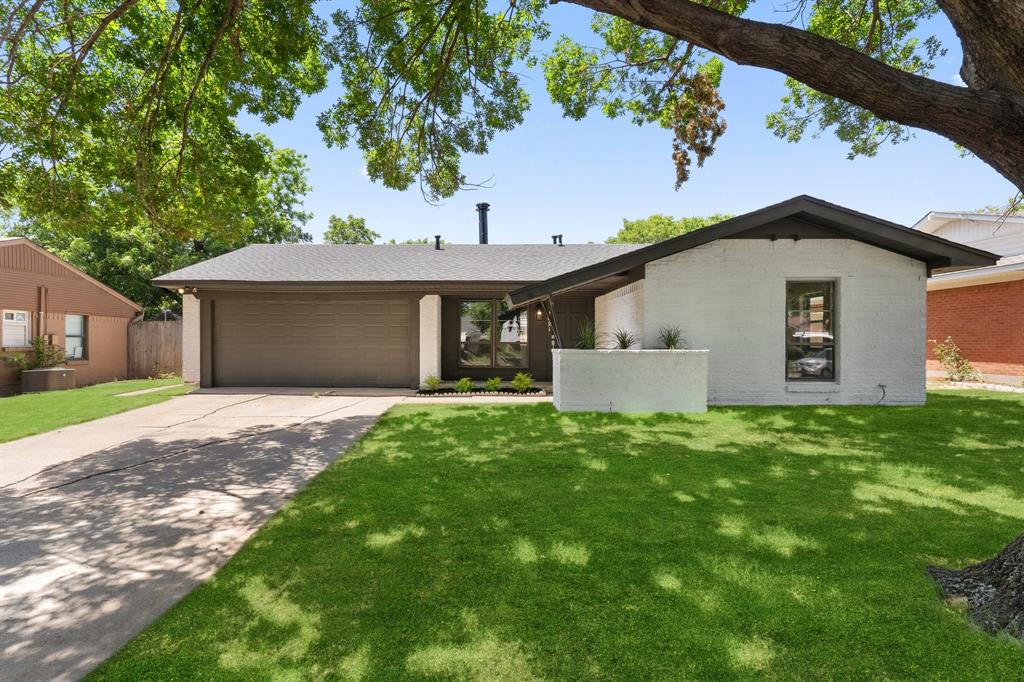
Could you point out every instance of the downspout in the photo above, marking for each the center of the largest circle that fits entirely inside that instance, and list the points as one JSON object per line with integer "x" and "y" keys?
{"x": 41, "y": 323}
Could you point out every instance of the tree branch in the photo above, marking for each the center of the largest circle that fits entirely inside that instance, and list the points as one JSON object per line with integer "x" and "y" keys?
{"x": 986, "y": 122}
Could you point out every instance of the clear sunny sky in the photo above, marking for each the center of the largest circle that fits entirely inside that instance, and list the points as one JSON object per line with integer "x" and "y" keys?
{"x": 553, "y": 175}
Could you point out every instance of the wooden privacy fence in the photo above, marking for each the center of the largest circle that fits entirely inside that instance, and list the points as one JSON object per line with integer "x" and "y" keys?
{"x": 154, "y": 347}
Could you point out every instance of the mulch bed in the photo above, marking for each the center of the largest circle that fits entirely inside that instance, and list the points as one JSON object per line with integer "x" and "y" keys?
{"x": 451, "y": 392}
{"x": 992, "y": 589}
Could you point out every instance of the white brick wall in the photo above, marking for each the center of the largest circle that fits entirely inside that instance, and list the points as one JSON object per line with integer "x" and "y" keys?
{"x": 622, "y": 308}
{"x": 729, "y": 297}
{"x": 190, "y": 338}
{"x": 430, "y": 336}
{"x": 630, "y": 380}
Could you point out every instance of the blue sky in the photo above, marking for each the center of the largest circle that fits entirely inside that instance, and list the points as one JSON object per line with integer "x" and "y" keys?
{"x": 553, "y": 175}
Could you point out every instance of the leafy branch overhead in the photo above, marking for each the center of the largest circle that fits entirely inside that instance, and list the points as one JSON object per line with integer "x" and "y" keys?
{"x": 112, "y": 106}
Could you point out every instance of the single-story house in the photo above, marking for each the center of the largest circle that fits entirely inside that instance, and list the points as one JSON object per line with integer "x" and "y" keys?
{"x": 41, "y": 295}
{"x": 800, "y": 302}
{"x": 981, "y": 309}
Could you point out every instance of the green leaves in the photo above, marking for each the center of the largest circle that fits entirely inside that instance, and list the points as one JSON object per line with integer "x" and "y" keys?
{"x": 425, "y": 83}
{"x": 351, "y": 230}
{"x": 660, "y": 227}
{"x": 884, "y": 29}
{"x": 646, "y": 75}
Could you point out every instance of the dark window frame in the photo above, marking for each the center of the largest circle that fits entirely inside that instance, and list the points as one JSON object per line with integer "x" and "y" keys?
{"x": 84, "y": 336}
{"x": 833, "y": 318}
{"x": 495, "y": 337}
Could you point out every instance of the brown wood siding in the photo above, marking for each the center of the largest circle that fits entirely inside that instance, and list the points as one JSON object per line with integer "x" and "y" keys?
{"x": 24, "y": 271}
{"x": 314, "y": 340}
{"x": 539, "y": 338}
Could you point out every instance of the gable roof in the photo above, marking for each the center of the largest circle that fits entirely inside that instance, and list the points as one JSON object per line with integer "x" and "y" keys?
{"x": 390, "y": 263}
{"x": 804, "y": 214}
{"x": 934, "y": 220}
{"x": 25, "y": 241}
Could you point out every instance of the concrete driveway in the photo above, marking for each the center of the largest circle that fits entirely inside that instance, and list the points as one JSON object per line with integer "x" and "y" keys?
{"x": 107, "y": 524}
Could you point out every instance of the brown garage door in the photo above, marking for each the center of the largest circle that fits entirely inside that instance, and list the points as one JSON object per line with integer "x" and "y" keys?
{"x": 329, "y": 341}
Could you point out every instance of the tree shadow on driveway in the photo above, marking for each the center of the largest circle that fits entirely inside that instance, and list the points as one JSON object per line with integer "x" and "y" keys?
{"x": 94, "y": 549}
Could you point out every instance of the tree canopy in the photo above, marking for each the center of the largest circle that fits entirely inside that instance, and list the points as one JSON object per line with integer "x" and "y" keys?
{"x": 125, "y": 250}
{"x": 660, "y": 227}
{"x": 350, "y": 230}
{"x": 114, "y": 104}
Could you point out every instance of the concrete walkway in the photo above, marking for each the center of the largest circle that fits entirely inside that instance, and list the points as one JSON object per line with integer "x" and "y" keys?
{"x": 107, "y": 524}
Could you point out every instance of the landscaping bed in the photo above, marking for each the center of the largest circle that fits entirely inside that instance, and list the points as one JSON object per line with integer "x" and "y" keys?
{"x": 451, "y": 392}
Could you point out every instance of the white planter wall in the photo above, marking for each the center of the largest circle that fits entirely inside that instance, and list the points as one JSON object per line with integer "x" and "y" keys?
{"x": 630, "y": 380}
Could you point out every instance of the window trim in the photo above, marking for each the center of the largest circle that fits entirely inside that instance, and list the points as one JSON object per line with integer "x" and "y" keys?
{"x": 84, "y": 337}
{"x": 495, "y": 335}
{"x": 28, "y": 328}
{"x": 834, "y": 328}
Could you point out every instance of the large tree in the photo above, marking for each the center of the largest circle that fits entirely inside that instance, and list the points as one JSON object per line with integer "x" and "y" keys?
{"x": 137, "y": 97}
{"x": 125, "y": 249}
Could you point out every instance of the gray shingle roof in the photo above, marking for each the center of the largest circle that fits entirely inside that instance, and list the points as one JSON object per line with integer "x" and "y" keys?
{"x": 325, "y": 263}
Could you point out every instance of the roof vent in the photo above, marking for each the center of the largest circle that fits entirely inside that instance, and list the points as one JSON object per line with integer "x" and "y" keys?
{"x": 482, "y": 208}
{"x": 437, "y": 242}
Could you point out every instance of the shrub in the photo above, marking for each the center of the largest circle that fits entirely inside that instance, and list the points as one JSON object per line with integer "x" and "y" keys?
{"x": 42, "y": 356}
{"x": 492, "y": 384}
{"x": 464, "y": 385}
{"x": 671, "y": 338}
{"x": 587, "y": 338}
{"x": 522, "y": 382}
{"x": 957, "y": 367}
{"x": 431, "y": 383}
{"x": 624, "y": 339}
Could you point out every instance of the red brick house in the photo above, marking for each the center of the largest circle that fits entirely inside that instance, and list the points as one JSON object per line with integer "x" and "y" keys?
{"x": 41, "y": 295}
{"x": 981, "y": 309}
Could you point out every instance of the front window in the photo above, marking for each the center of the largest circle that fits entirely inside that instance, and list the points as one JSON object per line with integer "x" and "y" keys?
{"x": 16, "y": 328}
{"x": 810, "y": 331}
{"x": 74, "y": 337}
{"x": 491, "y": 335}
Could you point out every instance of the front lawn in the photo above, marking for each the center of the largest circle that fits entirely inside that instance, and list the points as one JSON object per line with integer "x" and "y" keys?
{"x": 510, "y": 542}
{"x": 32, "y": 413}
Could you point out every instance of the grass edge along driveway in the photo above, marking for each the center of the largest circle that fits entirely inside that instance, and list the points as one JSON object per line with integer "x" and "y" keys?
{"x": 512, "y": 542}
{"x": 32, "y": 413}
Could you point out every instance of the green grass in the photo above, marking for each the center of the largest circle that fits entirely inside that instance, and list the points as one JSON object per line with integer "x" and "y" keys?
{"x": 32, "y": 413}
{"x": 510, "y": 542}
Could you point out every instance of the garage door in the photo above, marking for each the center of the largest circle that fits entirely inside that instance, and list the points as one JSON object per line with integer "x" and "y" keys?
{"x": 323, "y": 342}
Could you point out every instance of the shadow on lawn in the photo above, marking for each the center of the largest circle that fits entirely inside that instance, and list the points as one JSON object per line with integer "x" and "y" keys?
{"x": 513, "y": 542}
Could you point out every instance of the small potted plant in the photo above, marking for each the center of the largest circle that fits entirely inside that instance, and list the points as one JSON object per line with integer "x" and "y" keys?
{"x": 42, "y": 368}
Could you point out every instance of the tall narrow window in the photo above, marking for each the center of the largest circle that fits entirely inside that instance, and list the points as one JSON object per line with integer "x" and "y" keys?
{"x": 810, "y": 331}
{"x": 491, "y": 335}
{"x": 74, "y": 337}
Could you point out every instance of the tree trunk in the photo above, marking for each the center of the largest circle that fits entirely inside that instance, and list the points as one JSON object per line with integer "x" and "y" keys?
{"x": 988, "y": 121}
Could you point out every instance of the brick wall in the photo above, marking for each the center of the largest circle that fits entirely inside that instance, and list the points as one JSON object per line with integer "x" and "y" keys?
{"x": 729, "y": 296}
{"x": 623, "y": 309}
{"x": 986, "y": 321}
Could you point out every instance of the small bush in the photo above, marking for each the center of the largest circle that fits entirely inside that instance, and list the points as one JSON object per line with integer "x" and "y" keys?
{"x": 587, "y": 336}
{"x": 671, "y": 338}
{"x": 42, "y": 356}
{"x": 431, "y": 383}
{"x": 464, "y": 385}
{"x": 957, "y": 367}
{"x": 492, "y": 384}
{"x": 522, "y": 382}
{"x": 624, "y": 339}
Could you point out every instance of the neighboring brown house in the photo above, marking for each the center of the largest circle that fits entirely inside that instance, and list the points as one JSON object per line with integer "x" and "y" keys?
{"x": 41, "y": 295}
{"x": 982, "y": 309}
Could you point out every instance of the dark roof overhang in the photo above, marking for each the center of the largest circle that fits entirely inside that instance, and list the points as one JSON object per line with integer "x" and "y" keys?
{"x": 803, "y": 216}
